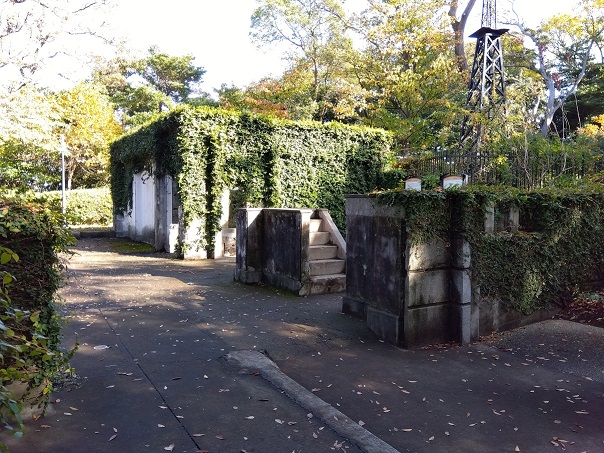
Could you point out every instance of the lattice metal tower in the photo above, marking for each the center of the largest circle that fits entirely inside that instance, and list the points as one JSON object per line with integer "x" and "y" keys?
{"x": 486, "y": 91}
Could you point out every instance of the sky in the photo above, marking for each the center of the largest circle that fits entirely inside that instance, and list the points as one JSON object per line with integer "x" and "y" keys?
{"x": 216, "y": 32}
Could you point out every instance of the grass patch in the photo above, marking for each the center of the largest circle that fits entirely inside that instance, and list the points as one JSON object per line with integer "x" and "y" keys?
{"x": 132, "y": 247}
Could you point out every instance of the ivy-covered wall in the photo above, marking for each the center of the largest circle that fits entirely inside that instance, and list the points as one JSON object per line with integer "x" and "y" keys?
{"x": 272, "y": 163}
{"x": 557, "y": 250}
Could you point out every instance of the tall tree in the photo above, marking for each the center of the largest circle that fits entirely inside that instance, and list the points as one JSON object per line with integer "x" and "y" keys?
{"x": 458, "y": 24}
{"x": 565, "y": 44}
{"x": 314, "y": 30}
{"x": 28, "y": 143}
{"x": 171, "y": 75}
{"x": 89, "y": 128}
{"x": 409, "y": 72}
{"x": 34, "y": 31}
{"x": 142, "y": 87}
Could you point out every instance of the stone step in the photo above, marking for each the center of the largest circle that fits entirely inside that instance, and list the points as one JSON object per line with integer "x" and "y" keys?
{"x": 326, "y": 267}
{"x": 320, "y": 238}
{"x": 322, "y": 252}
{"x": 327, "y": 284}
{"x": 315, "y": 225}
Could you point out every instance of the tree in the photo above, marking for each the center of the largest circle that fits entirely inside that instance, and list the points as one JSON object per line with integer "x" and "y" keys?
{"x": 565, "y": 45}
{"x": 315, "y": 31}
{"x": 143, "y": 87}
{"x": 458, "y": 24}
{"x": 29, "y": 146}
{"x": 34, "y": 31}
{"x": 264, "y": 97}
{"x": 89, "y": 128}
{"x": 173, "y": 76}
{"x": 409, "y": 74}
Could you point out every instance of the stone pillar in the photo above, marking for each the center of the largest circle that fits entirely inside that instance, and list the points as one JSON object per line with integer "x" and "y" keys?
{"x": 461, "y": 291}
{"x": 249, "y": 245}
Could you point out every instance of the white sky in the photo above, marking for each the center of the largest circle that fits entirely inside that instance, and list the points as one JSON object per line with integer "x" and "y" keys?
{"x": 216, "y": 32}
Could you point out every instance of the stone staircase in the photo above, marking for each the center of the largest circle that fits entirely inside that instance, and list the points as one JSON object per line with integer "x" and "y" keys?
{"x": 327, "y": 262}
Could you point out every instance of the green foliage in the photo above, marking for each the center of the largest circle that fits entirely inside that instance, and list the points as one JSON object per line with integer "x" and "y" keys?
{"x": 90, "y": 126}
{"x": 167, "y": 81}
{"x": 31, "y": 240}
{"x": 557, "y": 250}
{"x": 84, "y": 206}
{"x": 272, "y": 162}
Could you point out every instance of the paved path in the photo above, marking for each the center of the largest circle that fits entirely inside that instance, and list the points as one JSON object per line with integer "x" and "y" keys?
{"x": 168, "y": 362}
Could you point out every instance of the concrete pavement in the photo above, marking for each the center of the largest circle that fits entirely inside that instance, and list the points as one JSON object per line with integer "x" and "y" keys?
{"x": 168, "y": 361}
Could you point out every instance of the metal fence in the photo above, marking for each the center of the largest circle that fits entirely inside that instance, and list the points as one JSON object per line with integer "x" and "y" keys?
{"x": 522, "y": 171}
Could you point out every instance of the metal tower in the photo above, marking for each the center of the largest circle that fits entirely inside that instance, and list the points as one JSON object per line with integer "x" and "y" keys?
{"x": 486, "y": 91}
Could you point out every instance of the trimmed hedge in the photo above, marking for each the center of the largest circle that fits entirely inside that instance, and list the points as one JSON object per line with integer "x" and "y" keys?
{"x": 84, "y": 206}
{"x": 272, "y": 162}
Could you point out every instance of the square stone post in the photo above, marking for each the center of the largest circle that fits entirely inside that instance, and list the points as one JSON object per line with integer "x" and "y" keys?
{"x": 249, "y": 245}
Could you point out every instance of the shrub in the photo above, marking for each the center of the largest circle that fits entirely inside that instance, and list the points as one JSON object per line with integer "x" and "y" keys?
{"x": 84, "y": 206}
{"x": 31, "y": 241}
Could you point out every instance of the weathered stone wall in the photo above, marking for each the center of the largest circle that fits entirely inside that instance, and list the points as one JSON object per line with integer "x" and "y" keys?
{"x": 417, "y": 294}
{"x": 409, "y": 294}
{"x": 261, "y": 257}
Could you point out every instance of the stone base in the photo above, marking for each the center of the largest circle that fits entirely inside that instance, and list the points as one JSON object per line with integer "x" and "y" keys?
{"x": 248, "y": 276}
{"x": 387, "y": 326}
{"x": 354, "y": 307}
{"x": 328, "y": 284}
{"x": 431, "y": 324}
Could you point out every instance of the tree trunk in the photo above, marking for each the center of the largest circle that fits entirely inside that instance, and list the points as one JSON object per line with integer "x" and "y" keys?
{"x": 459, "y": 28}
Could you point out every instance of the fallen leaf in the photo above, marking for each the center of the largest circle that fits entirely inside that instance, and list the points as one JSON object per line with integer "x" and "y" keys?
{"x": 169, "y": 447}
{"x": 45, "y": 426}
{"x": 315, "y": 435}
{"x": 73, "y": 408}
{"x": 101, "y": 347}
{"x": 112, "y": 437}
{"x": 251, "y": 417}
{"x": 198, "y": 435}
{"x": 159, "y": 425}
{"x": 67, "y": 413}
{"x": 407, "y": 430}
{"x": 220, "y": 437}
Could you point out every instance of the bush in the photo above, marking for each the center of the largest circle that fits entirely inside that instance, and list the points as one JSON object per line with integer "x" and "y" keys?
{"x": 84, "y": 206}
{"x": 31, "y": 241}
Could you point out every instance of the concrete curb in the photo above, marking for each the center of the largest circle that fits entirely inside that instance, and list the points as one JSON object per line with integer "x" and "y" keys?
{"x": 335, "y": 419}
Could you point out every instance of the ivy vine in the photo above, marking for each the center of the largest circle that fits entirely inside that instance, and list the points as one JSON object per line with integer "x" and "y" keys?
{"x": 557, "y": 250}
{"x": 271, "y": 162}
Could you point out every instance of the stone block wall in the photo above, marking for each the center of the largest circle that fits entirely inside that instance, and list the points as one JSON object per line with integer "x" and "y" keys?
{"x": 409, "y": 294}
{"x": 260, "y": 257}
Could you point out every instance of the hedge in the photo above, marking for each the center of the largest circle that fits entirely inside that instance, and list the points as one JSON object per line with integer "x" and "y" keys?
{"x": 32, "y": 240}
{"x": 83, "y": 206}
{"x": 272, "y": 162}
